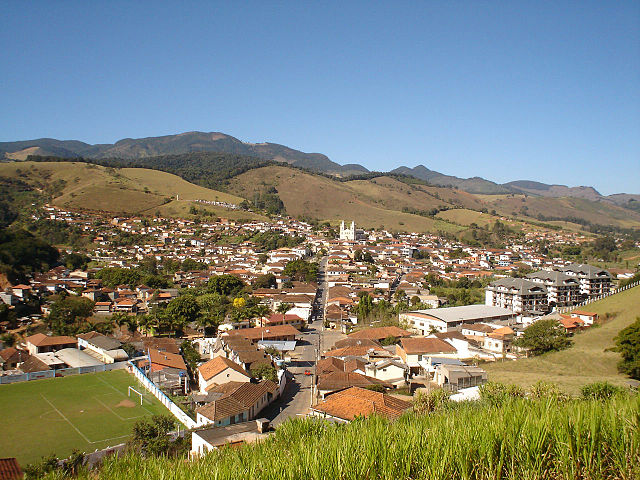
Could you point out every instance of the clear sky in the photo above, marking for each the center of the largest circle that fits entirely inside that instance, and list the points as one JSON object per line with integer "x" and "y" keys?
{"x": 546, "y": 91}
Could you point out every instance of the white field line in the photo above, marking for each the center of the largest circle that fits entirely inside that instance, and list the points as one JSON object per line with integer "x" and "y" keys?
{"x": 114, "y": 388}
{"x": 68, "y": 421}
{"x": 114, "y": 412}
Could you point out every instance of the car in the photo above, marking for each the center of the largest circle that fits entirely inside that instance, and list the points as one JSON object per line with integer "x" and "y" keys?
{"x": 307, "y": 372}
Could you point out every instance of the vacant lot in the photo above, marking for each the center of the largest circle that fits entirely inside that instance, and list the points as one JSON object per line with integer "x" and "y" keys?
{"x": 84, "y": 412}
{"x": 586, "y": 361}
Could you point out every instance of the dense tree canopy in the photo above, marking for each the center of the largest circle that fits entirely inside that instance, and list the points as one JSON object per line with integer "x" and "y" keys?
{"x": 67, "y": 312}
{"x": 21, "y": 253}
{"x": 628, "y": 344}
{"x": 301, "y": 270}
{"x": 225, "y": 285}
{"x": 544, "y": 336}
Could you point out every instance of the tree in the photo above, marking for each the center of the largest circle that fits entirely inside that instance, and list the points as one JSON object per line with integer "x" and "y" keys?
{"x": 543, "y": 336}
{"x": 365, "y": 305}
{"x": 265, "y": 281}
{"x": 8, "y": 339}
{"x": 265, "y": 372}
{"x": 283, "y": 308}
{"x": 301, "y": 270}
{"x": 75, "y": 261}
{"x": 600, "y": 390}
{"x": 182, "y": 311}
{"x": 628, "y": 345}
{"x": 357, "y": 256}
{"x": 390, "y": 340}
{"x": 67, "y": 312}
{"x": 149, "y": 436}
{"x": 191, "y": 355}
{"x": 225, "y": 285}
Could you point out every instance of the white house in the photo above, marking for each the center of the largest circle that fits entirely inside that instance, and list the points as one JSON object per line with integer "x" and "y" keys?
{"x": 218, "y": 371}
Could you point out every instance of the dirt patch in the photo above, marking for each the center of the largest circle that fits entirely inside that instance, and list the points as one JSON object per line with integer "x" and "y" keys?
{"x": 126, "y": 404}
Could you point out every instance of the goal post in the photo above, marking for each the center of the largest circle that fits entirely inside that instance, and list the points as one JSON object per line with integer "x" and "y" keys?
{"x": 131, "y": 389}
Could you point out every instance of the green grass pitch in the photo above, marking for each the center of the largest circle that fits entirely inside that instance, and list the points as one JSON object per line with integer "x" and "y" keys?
{"x": 86, "y": 412}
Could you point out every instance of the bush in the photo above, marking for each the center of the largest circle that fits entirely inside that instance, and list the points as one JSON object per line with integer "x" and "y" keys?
{"x": 433, "y": 401}
{"x": 496, "y": 393}
{"x": 601, "y": 391}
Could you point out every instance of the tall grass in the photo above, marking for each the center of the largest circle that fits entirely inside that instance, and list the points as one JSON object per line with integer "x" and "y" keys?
{"x": 519, "y": 439}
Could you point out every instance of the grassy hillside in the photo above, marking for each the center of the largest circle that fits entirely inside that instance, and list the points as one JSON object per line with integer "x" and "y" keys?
{"x": 587, "y": 360}
{"x": 127, "y": 190}
{"x": 599, "y": 213}
{"x": 521, "y": 439}
{"x": 369, "y": 204}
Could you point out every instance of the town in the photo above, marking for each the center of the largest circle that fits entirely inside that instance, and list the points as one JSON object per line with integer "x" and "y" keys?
{"x": 227, "y": 322}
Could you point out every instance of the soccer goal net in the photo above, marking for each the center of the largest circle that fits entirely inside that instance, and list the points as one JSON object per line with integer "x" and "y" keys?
{"x": 135, "y": 392}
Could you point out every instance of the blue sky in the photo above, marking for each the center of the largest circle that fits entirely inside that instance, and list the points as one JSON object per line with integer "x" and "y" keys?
{"x": 546, "y": 91}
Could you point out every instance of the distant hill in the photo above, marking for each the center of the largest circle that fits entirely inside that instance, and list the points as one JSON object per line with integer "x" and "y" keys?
{"x": 544, "y": 190}
{"x": 471, "y": 185}
{"x": 130, "y": 148}
{"x": 391, "y": 201}
{"x": 217, "y": 142}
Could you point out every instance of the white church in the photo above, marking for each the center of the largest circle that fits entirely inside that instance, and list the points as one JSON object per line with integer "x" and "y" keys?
{"x": 351, "y": 233}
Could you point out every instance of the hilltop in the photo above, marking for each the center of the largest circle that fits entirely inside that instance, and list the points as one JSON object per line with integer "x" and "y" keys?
{"x": 191, "y": 142}
{"x": 140, "y": 191}
{"x": 373, "y": 200}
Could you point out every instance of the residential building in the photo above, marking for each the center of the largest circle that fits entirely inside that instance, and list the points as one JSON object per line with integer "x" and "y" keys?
{"x": 238, "y": 402}
{"x": 594, "y": 281}
{"x": 520, "y": 295}
{"x": 218, "y": 371}
{"x": 432, "y": 320}
{"x": 346, "y": 405}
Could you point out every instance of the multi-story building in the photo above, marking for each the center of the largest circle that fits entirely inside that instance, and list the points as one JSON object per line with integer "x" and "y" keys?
{"x": 521, "y": 295}
{"x": 593, "y": 281}
{"x": 562, "y": 289}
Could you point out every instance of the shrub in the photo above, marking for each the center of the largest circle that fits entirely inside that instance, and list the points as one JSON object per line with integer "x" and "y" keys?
{"x": 496, "y": 393}
{"x": 433, "y": 401}
{"x": 601, "y": 390}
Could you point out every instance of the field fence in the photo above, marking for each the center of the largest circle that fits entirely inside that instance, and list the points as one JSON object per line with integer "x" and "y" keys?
{"x": 63, "y": 372}
{"x": 595, "y": 299}
{"x": 176, "y": 411}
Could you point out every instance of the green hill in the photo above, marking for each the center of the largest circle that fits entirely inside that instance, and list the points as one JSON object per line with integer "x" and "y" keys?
{"x": 587, "y": 361}
{"x": 85, "y": 186}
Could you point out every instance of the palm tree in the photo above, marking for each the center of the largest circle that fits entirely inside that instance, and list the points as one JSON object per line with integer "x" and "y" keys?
{"x": 284, "y": 308}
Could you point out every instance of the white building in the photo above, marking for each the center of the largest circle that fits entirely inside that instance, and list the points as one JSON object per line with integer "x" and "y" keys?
{"x": 448, "y": 319}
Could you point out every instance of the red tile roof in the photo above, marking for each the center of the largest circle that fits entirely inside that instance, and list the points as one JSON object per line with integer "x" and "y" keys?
{"x": 422, "y": 346}
{"x": 219, "y": 364}
{"x": 10, "y": 469}
{"x": 355, "y": 402}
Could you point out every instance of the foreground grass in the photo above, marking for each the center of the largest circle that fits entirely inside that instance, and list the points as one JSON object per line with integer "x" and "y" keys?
{"x": 587, "y": 361}
{"x": 520, "y": 439}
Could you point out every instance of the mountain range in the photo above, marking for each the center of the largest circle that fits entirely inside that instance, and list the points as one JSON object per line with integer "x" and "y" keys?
{"x": 130, "y": 148}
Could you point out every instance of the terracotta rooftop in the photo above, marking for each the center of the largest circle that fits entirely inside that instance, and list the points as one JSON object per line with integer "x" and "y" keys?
{"x": 423, "y": 346}
{"x": 10, "y": 469}
{"x": 237, "y": 397}
{"x": 340, "y": 380}
{"x": 353, "y": 402}
{"x": 380, "y": 333}
{"x": 42, "y": 340}
{"x": 166, "y": 359}
{"x": 219, "y": 364}
{"x": 265, "y": 332}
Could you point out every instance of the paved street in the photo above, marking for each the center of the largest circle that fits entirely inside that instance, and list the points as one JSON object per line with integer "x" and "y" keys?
{"x": 296, "y": 399}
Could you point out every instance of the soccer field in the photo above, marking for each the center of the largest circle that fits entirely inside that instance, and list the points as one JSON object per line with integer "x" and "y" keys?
{"x": 56, "y": 415}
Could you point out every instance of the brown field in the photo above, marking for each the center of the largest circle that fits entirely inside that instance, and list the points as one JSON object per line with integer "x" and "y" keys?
{"x": 326, "y": 199}
{"x": 126, "y": 190}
